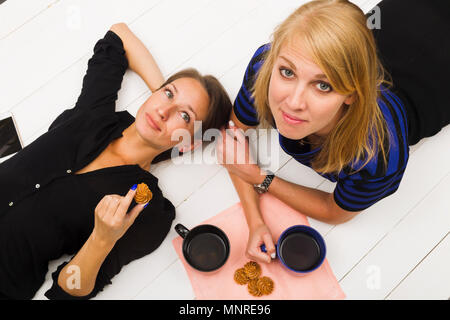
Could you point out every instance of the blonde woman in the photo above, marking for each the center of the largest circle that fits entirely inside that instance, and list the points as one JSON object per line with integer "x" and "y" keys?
{"x": 322, "y": 83}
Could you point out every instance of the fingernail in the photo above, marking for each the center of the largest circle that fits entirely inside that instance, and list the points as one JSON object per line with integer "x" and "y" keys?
{"x": 146, "y": 205}
{"x": 231, "y": 123}
{"x": 134, "y": 187}
{"x": 273, "y": 255}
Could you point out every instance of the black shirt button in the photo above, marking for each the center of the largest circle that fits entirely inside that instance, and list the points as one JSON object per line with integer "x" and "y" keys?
{"x": 69, "y": 171}
{"x": 11, "y": 204}
{"x": 38, "y": 186}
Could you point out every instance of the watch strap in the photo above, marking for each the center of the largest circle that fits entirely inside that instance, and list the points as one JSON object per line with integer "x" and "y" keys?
{"x": 264, "y": 186}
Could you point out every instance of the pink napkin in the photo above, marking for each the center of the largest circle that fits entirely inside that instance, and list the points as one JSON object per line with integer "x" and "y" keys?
{"x": 220, "y": 285}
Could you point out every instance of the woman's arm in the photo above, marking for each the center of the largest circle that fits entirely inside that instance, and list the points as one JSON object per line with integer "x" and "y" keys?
{"x": 314, "y": 203}
{"x": 247, "y": 194}
{"x": 139, "y": 58}
{"x": 79, "y": 276}
{"x": 258, "y": 231}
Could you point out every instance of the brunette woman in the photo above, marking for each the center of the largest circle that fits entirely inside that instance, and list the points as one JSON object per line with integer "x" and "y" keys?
{"x": 71, "y": 190}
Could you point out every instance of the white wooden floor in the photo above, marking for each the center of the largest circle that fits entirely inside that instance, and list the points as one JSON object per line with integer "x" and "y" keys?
{"x": 397, "y": 249}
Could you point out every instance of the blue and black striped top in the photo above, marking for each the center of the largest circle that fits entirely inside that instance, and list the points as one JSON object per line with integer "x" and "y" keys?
{"x": 354, "y": 191}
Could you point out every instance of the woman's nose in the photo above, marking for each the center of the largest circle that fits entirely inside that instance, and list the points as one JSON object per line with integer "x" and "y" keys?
{"x": 296, "y": 98}
{"x": 164, "y": 111}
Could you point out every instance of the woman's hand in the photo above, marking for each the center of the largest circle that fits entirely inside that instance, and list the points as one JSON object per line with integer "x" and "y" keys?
{"x": 112, "y": 219}
{"x": 259, "y": 235}
{"x": 140, "y": 60}
{"x": 233, "y": 152}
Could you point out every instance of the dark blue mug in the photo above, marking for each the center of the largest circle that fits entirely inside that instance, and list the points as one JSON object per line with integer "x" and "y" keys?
{"x": 301, "y": 249}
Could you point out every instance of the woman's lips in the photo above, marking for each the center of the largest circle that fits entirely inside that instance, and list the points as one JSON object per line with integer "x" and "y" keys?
{"x": 151, "y": 122}
{"x": 292, "y": 120}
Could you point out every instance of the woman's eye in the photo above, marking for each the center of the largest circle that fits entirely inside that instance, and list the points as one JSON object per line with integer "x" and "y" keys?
{"x": 185, "y": 117}
{"x": 324, "y": 87}
{"x": 287, "y": 73}
{"x": 168, "y": 93}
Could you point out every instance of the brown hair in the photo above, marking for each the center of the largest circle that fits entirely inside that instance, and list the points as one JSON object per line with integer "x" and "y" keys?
{"x": 219, "y": 108}
{"x": 335, "y": 34}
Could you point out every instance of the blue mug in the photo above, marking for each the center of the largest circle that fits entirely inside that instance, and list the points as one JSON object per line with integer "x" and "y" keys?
{"x": 301, "y": 249}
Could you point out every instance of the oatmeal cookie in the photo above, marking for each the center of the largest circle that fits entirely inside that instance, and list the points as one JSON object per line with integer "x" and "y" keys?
{"x": 265, "y": 285}
{"x": 252, "y": 269}
{"x": 240, "y": 276}
{"x": 253, "y": 288}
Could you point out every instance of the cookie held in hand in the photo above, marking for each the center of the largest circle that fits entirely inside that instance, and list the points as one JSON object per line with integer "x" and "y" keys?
{"x": 143, "y": 194}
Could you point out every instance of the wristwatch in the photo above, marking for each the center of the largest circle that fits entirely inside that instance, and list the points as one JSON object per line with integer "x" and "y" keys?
{"x": 264, "y": 186}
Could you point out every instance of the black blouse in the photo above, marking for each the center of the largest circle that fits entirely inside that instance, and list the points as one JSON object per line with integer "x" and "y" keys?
{"x": 47, "y": 211}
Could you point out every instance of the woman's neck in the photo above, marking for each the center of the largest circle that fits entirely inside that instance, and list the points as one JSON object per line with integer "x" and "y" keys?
{"x": 132, "y": 149}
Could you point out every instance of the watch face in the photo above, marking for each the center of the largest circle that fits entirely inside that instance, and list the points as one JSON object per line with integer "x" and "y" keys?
{"x": 260, "y": 189}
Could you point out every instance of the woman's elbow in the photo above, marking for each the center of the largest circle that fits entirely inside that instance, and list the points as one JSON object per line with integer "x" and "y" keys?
{"x": 336, "y": 214}
{"x": 117, "y": 27}
{"x": 75, "y": 290}
{"x": 119, "y": 24}
{"x": 342, "y": 217}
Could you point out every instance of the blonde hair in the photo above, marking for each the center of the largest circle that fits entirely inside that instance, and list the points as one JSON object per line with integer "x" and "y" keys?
{"x": 335, "y": 35}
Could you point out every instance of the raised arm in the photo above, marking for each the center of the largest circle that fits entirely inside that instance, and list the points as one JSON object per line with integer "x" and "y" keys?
{"x": 139, "y": 58}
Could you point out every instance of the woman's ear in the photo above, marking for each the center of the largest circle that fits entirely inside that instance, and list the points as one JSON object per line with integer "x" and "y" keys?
{"x": 190, "y": 147}
{"x": 350, "y": 99}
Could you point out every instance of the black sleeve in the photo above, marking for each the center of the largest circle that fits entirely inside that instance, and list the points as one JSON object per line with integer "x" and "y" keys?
{"x": 143, "y": 237}
{"x": 103, "y": 77}
{"x": 104, "y": 74}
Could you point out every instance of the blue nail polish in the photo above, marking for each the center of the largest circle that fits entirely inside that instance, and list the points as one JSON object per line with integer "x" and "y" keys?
{"x": 134, "y": 187}
{"x": 146, "y": 205}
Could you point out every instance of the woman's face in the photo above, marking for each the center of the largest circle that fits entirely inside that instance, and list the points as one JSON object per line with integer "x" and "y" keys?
{"x": 174, "y": 106}
{"x": 301, "y": 98}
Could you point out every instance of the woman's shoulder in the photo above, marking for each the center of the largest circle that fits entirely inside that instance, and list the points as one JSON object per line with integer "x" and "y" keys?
{"x": 255, "y": 64}
{"x": 397, "y": 122}
{"x": 261, "y": 50}
{"x": 259, "y": 56}
{"x": 379, "y": 168}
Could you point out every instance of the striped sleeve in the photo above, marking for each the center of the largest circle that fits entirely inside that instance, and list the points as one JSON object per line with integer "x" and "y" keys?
{"x": 358, "y": 191}
{"x": 243, "y": 106}
{"x": 356, "y": 194}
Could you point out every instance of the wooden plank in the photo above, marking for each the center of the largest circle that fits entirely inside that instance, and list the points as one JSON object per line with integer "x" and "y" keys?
{"x": 54, "y": 40}
{"x": 351, "y": 241}
{"x": 402, "y": 248}
{"x": 430, "y": 279}
{"x": 172, "y": 284}
{"x": 15, "y": 14}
